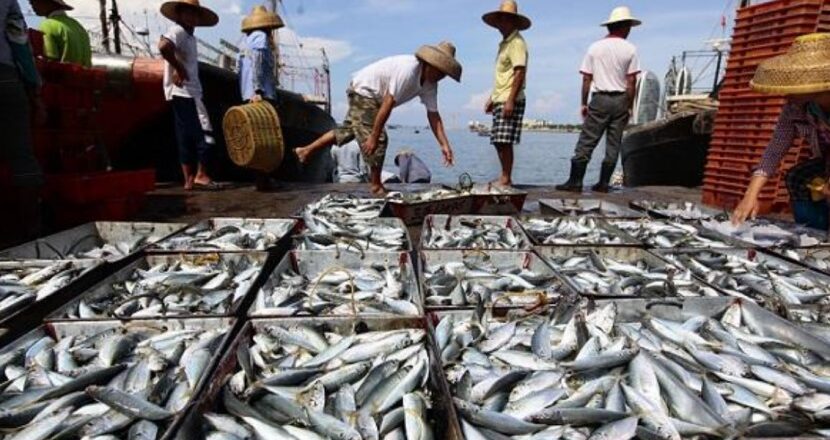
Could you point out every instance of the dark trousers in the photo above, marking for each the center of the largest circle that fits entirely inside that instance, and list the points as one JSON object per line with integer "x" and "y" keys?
{"x": 189, "y": 134}
{"x": 607, "y": 115}
{"x": 16, "y": 129}
{"x": 805, "y": 210}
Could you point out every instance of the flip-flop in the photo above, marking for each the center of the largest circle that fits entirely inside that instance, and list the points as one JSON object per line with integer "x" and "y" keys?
{"x": 210, "y": 187}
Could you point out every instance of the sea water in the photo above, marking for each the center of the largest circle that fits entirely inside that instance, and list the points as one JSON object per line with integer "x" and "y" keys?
{"x": 543, "y": 158}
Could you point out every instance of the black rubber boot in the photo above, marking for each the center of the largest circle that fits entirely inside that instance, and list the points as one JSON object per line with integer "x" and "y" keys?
{"x": 605, "y": 175}
{"x": 574, "y": 183}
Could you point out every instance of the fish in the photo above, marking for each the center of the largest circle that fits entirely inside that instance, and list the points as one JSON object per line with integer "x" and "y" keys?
{"x": 588, "y": 208}
{"x": 386, "y": 286}
{"x": 634, "y": 375}
{"x": 571, "y": 231}
{"x": 24, "y": 282}
{"x": 357, "y": 235}
{"x": 120, "y": 383}
{"x": 769, "y": 233}
{"x": 667, "y": 234}
{"x": 228, "y": 235}
{"x": 180, "y": 286}
{"x": 338, "y": 206}
{"x": 416, "y": 197}
{"x": 684, "y": 211}
{"x": 487, "y": 233}
{"x": 348, "y": 397}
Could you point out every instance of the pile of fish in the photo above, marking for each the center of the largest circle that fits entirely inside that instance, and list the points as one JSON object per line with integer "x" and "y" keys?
{"x": 336, "y": 206}
{"x": 297, "y": 383}
{"x": 588, "y": 375}
{"x": 666, "y": 234}
{"x": 767, "y": 234}
{"x": 371, "y": 289}
{"x": 473, "y": 233}
{"x": 680, "y": 211}
{"x": 815, "y": 258}
{"x": 422, "y": 196}
{"x": 587, "y": 207}
{"x": 568, "y": 231}
{"x": 473, "y": 280}
{"x": 229, "y": 236}
{"x": 323, "y": 233}
{"x": 22, "y": 282}
{"x": 208, "y": 285}
{"x": 597, "y": 274}
{"x": 109, "y": 383}
{"x": 764, "y": 279}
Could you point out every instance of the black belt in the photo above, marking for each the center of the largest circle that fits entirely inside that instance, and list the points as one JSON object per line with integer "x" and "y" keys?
{"x": 609, "y": 93}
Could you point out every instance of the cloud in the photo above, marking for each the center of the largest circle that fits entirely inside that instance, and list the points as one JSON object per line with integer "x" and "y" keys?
{"x": 336, "y": 50}
{"x": 477, "y": 101}
{"x": 389, "y": 6}
{"x": 548, "y": 103}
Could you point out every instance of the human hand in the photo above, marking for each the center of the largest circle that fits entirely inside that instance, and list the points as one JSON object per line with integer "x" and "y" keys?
{"x": 488, "y": 107}
{"x": 370, "y": 146}
{"x": 256, "y": 98}
{"x": 449, "y": 157}
{"x": 584, "y": 112}
{"x": 747, "y": 209}
{"x": 507, "y": 110}
{"x": 180, "y": 76}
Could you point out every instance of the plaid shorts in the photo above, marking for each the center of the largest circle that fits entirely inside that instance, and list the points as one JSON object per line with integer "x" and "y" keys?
{"x": 507, "y": 130}
{"x": 358, "y": 125}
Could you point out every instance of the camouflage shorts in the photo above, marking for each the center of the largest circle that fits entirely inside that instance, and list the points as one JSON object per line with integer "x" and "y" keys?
{"x": 358, "y": 125}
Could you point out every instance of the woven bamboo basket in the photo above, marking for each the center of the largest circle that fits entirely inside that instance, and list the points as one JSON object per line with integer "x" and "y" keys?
{"x": 254, "y": 137}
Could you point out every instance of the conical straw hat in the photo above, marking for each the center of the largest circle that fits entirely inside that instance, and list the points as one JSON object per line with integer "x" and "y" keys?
{"x": 261, "y": 18}
{"x": 62, "y": 4}
{"x": 621, "y": 14}
{"x": 442, "y": 57}
{"x": 804, "y": 69}
{"x": 508, "y": 8}
{"x": 171, "y": 10}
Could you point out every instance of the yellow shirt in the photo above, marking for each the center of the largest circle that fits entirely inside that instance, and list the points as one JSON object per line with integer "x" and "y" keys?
{"x": 512, "y": 54}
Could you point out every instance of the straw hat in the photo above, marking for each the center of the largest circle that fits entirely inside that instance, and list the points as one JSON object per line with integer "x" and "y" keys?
{"x": 621, "y": 14}
{"x": 261, "y": 18}
{"x": 442, "y": 57}
{"x": 804, "y": 69}
{"x": 508, "y": 8}
{"x": 62, "y": 4}
{"x": 171, "y": 10}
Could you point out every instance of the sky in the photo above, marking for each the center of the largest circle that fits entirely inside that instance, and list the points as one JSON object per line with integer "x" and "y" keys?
{"x": 358, "y": 32}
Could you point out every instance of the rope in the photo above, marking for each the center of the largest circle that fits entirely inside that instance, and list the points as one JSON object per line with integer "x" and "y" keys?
{"x": 313, "y": 291}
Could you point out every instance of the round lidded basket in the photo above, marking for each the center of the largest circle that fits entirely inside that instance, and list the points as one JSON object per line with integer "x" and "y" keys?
{"x": 254, "y": 137}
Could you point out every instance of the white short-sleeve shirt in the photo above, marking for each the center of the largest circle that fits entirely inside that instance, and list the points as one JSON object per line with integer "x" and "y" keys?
{"x": 610, "y": 61}
{"x": 188, "y": 54}
{"x": 399, "y": 76}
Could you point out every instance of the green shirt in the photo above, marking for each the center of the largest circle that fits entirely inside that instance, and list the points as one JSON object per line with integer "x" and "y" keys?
{"x": 66, "y": 40}
{"x": 512, "y": 54}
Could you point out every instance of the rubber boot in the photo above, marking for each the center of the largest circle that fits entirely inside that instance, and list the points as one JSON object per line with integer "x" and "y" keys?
{"x": 604, "y": 179}
{"x": 574, "y": 183}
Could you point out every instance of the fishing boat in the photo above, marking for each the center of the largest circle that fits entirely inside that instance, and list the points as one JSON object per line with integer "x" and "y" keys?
{"x": 671, "y": 149}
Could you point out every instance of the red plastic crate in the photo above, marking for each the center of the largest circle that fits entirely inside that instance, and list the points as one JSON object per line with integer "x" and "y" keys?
{"x": 91, "y": 188}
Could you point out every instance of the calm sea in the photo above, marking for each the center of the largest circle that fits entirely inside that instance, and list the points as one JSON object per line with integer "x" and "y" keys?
{"x": 541, "y": 159}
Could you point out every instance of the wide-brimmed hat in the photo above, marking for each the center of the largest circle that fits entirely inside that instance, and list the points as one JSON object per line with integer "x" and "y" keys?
{"x": 442, "y": 57}
{"x": 510, "y": 9}
{"x": 622, "y": 14}
{"x": 804, "y": 69}
{"x": 171, "y": 10}
{"x": 261, "y": 18}
{"x": 62, "y": 4}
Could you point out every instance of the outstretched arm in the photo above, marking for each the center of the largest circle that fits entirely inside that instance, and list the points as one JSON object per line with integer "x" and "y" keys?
{"x": 437, "y": 125}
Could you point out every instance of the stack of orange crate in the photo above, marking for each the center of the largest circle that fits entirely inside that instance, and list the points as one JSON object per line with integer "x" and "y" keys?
{"x": 746, "y": 120}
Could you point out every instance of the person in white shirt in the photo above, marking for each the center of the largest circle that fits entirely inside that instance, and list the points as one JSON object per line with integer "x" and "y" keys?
{"x": 350, "y": 167}
{"x": 609, "y": 76}
{"x": 380, "y": 87}
{"x": 183, "y": 89}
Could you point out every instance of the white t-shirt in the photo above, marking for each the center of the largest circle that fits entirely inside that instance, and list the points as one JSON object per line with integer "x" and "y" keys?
{"x": 610, "y": 61}
{"x": 399, "y": 76}
{"x": 188, "y": 54}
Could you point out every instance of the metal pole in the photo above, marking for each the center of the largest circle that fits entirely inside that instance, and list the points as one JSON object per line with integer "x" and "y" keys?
{"x": 717, "y": 71}
{"x": 105, "y": 33}
{"x": 116, "y": 24}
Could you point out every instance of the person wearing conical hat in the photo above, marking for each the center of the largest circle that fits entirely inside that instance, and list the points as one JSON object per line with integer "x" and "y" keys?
{"x": 64, "y": 38}
{"x": 183, "y": 89}
{"x": 379, "y": 88}
{"x": 803, "y": 76}
{"x": 507, "y": 100}
{"x": 256, "y": 63}
{"x": 609, "y": 77}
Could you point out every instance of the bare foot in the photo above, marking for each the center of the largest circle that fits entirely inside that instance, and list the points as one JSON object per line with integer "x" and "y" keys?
{"x": 188, "y": 185}
{"x": 502, "y": 183}
{"x": 378, "y": 190}
{"x": 303, "y": 155}
{"x": 202, "y": 179}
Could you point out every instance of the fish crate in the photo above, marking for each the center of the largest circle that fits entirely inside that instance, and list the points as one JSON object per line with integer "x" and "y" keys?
{"x": 413, "y": 211}
{"x": 343, "y": 206}
{"x": 111, "y": 241}
{"x": 671, "y": 283}
{"x": 578, "y": 232}
{"x": 817, "y": 259}
{"x": 761, "y": 266}
{"x": 466, "y": 338}
{"x": 25, "y": 312}
{"x": 491, "y": 200}
{"x": 763, "y": 233}
{"x": 276, "y": 236}
{"x": 312, "y": 266}
{"x": 543, "y": 285}
{"x": 235, "y": 295}
{"x": 441, "y": 416}
{"x": 678, "y": 211}
{"x": 586, "y": 208}
{"x": 653, "y": 233}
{"x": 510, "y": 235}
{"x": 89, "y": 332}
{"x": 357, "y": 238}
